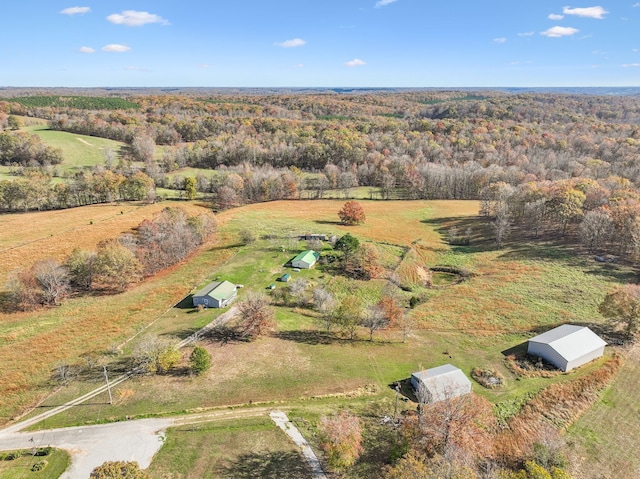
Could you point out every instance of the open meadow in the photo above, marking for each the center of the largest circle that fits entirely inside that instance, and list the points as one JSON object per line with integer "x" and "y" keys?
{"x": 79, "y": 151}
{"x": 512, "y": 294}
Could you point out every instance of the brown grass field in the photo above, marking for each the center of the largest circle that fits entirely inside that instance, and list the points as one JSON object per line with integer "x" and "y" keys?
{"x": 28, "y": 237}
{"x": 45, "y": 338}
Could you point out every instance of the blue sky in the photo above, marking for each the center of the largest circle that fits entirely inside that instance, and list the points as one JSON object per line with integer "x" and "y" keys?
{"x": 319, "y": 43}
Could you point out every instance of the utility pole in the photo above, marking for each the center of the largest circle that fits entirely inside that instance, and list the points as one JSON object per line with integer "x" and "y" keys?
{"x": 106, "y": 377}
{"x": 395, "y": 409}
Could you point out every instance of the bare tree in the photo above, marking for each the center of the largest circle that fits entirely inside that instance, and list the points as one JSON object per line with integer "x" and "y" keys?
{"x": 595, "y": 229}
{"x": 374, "y": 319}
{"x": 325, "y": 304}
{"x": 501, "y": 224}
{"x": 297, "y": 288}
{"x": 53, "y": 279}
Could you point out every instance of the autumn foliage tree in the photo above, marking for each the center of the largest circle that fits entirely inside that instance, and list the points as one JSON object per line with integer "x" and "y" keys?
{"x": 352, "y": 213}
{"x": 255, "y": 316}
{"x": 341, "y": 439}
{"x": 622, "y": 308}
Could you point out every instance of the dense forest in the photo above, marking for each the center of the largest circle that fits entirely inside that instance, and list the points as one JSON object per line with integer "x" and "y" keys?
{"x": 548, "y": 161}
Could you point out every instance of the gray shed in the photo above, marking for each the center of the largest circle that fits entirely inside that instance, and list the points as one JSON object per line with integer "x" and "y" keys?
{"x": 442, "y": 382}
{"x": 567, "y": 346}
{"x": 217, "y": 294}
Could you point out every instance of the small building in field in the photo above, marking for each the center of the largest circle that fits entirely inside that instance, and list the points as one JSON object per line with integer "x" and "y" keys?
{"x": 567, "y": 346}
{"x": 440, "y": 383}
{"x": 312, "y": 236}
{"x": 306, "y": 259}
{"x": 285, "y": 278}
{"x": 217, "y": 294}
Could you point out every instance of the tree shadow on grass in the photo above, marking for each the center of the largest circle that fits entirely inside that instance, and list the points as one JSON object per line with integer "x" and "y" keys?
{"x": 307, "y": 336}
{"x": 224, "y": 335}
{"x": 615, "y": 272}
{"x": 480, "y": 237}
{"x": 276, "y": 465}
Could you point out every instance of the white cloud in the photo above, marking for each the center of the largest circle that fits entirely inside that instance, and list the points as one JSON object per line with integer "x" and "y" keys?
{"x": 114, "y": 47}
{"x": 356, "y": 62}
{"x": 555, "y": 16}
{"x": 86, "y": 50}
{"x": 298, "y": 66}
{"x": 499, "y": 40}
{"x": 557, "y": 32}
{"x": 590, "y": 12}
{"x": 384, "y": 3}
{"x": 526, "y": 34}
{"x": 636, "y": 4}
{"x": 204, "y": 66}
{"x": 75, "y": 10}
{"x": 133, "y": 18}
{"x": 132, "y": 68}
{"x": 627, "y": 65}
{"x": 294, "y": 42}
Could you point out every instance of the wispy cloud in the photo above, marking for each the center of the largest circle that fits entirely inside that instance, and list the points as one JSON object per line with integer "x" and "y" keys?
{"x": 590, "y": 12}
{"x": 526, "y": 34}
{"x": 133, "y": 18}
{"x": 636, "y": 4}
{"x": 627, "y": 65}
{"x": 132, "y": 68}
{"x": 356, "y": 62}
{"x": 114, "y": 47}
{"x": 75, "y": 11}
{"x": 294, "y": 42}
{"x": 204, "y": 66}
{"x": 499, "y": 40}
{"x": 384, "y": 3}
{"x": 557, "y": 32}
{"x": 86, "y": 50}
{"x": 555, "y": 16}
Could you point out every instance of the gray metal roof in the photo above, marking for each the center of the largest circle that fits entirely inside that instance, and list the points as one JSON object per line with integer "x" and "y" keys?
{"x": 444, "y": 380}
{"x": 570, "y": 341}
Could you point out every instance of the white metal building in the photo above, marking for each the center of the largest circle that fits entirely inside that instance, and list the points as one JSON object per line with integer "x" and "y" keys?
{"x": 567, "y": 346}
{"x": 442, "y": 382}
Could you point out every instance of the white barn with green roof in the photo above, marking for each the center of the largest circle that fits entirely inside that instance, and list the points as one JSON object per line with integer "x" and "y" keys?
{"x": 305, "y": 260}
{"x": 567, "y": 346}
{"x": 218, "y": 294}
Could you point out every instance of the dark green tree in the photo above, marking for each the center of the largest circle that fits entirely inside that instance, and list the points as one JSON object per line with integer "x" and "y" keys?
{"x": 200, "y": 360}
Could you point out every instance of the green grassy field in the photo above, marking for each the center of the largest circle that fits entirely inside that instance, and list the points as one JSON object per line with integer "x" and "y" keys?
{"x": 240, "y": 449}
{"x": 79, "y": 151}
{"x": 514, "y": 293}
{"x": 57, "y": 460}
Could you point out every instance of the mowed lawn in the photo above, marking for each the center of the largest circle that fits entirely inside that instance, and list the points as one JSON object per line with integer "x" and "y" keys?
{"x": 79, "y": 151}
{"x": 240, "y": 449}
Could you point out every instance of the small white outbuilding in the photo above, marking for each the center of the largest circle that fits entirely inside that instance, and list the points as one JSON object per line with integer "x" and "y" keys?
{"x": 567, "y": 346}
{"x": 440, "y": 383}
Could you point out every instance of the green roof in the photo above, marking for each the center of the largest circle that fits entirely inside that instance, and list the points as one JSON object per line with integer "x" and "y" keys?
{"x": 218, "y": 290}
{"x": 308, "y": 256}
